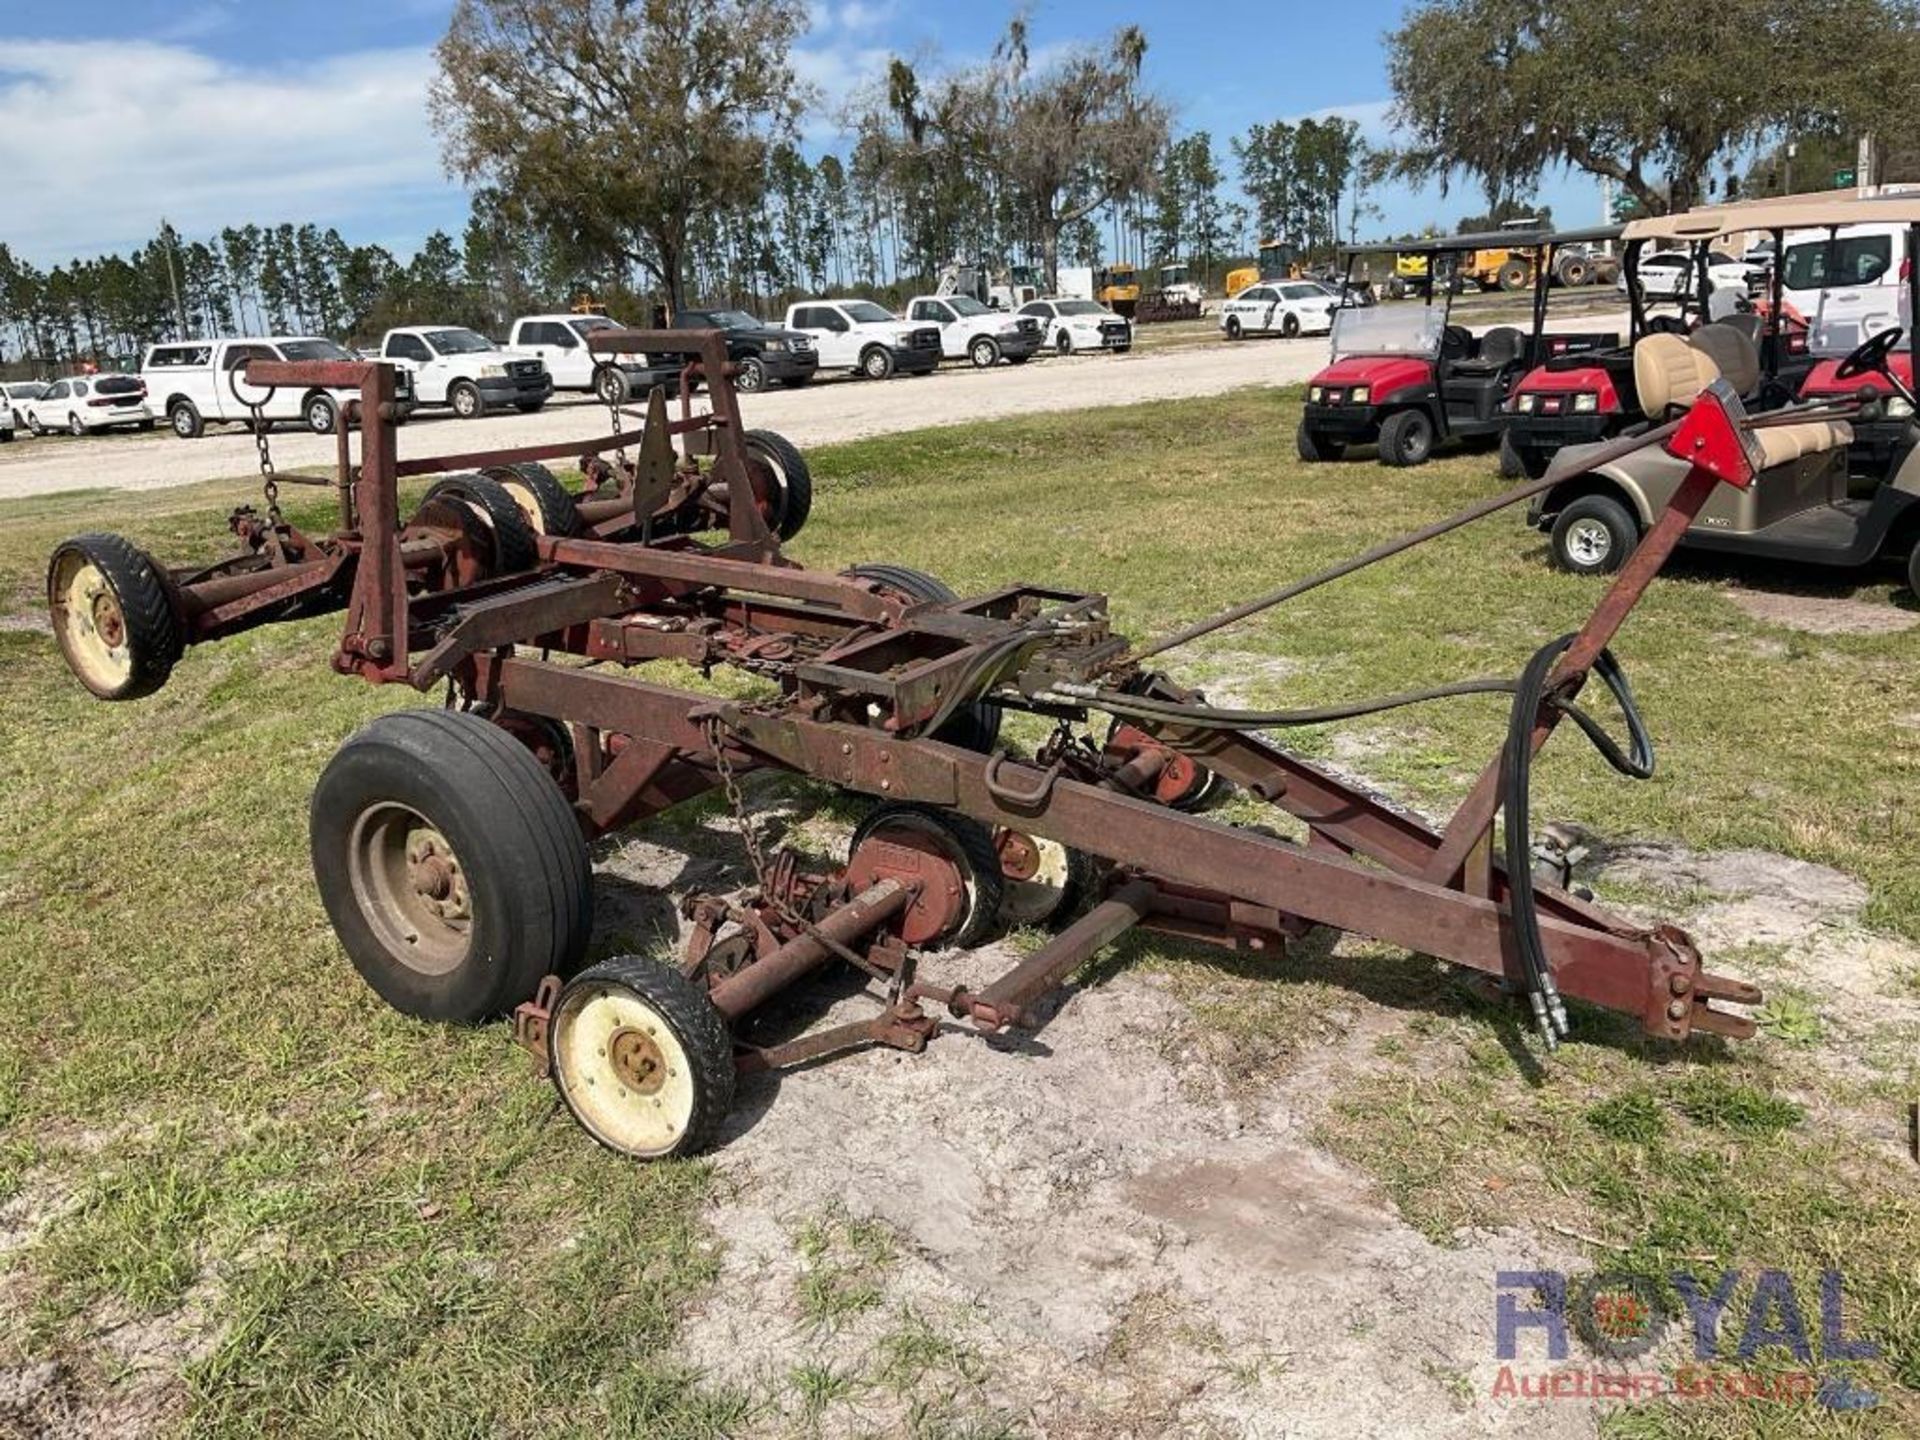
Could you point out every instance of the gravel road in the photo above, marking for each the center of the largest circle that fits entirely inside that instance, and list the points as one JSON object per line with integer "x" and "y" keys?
{"x": 826, "y": 411}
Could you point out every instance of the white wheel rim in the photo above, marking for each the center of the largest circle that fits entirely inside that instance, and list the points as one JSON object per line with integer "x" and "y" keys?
{"x": 320, "y": 416}
{"x": 623, "y": 1071}
{"x": 463, "y": 401}
{"x": 1589, "y": 542}
{"x": 1037, "y": 898}
{"x": 89, "y": 622}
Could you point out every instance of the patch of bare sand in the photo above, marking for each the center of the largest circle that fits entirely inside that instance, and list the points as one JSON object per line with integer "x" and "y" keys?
{"x": 1824, "y": 614}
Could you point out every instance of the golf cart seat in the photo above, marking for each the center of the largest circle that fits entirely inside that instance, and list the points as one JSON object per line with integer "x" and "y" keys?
{"x": 1499, "y": 347}
{"x": 1670, "y": 373}
{"x": 1732, "y": 351}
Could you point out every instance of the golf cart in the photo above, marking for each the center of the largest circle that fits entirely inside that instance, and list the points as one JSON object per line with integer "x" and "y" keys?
{"x": 1404, "y": 378}
{"x": 1798, "y": 507}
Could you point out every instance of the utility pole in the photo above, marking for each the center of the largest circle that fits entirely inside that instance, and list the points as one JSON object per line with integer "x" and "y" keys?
{"x": 1793, "y": 149}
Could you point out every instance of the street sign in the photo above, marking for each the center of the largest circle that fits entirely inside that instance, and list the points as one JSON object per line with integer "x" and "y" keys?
{"x": 1843, "y": 177}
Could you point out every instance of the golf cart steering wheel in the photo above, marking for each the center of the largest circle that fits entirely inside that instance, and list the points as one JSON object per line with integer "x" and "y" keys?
{"x": 1871, "y": 357}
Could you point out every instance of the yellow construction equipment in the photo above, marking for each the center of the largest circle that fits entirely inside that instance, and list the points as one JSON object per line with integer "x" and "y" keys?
{"x": 1278, "y": 261}
{"x": 1118, "y": 288}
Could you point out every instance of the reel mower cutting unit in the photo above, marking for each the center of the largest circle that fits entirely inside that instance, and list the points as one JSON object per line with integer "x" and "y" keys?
{"x": 450, "y": 845}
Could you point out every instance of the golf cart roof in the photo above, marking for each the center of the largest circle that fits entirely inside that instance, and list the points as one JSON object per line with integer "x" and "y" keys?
{"x": 1792, "y": 212}
{"x": 1591, "y": 235}
{"x": 1452, "y": 244}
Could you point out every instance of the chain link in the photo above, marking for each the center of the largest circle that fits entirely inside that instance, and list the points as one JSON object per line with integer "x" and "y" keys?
{"x": 610, "y": 392}
{"x": 269, "y": 484}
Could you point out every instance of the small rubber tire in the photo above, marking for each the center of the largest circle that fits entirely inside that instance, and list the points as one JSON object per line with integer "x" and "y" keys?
{"x": 1290, "y": 326}
{"x": 750, "y": 376}
{"x": 1575, "y": 543}
{"x": 465, "y": 398}
{"x": 976, "y": 727}
{"x": 636, "y": 994}
{"x": 185, "y": 419}
{"x": 792, "y": 474}
{"x": 876, "y": 362}
{"x": 964, "y": 840}
{"x": 1406, "y": 438}
{"x": 1234, "y": 332}
{"x": 610, "y": 383}
{"x": 513, "y": 538}
{"x": 517, "y": 843}
{"x": 1315, "y": 448}
{"x": 543, "y": 500}
{"x": 152, "y": 638}
{"x": 984, "y": 352}
{"x": 320, "y": 414}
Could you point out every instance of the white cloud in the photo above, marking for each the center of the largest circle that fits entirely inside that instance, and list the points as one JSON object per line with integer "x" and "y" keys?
{"x": 116, "y": 135}
{"x": 1370, "y": 115}
{"x": 836, "y": 73}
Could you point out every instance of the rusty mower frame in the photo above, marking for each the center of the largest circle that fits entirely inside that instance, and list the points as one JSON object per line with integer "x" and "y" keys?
{"x": 882, "y": 684}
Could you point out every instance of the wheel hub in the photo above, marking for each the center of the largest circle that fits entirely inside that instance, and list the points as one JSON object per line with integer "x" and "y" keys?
{"x": 637, "y": 1060}
{"x": 1589, "y": 541}
{"x": 434, "y": 872}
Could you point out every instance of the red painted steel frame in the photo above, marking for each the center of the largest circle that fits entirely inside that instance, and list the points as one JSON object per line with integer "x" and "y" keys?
{"x": 1369, "y": 867}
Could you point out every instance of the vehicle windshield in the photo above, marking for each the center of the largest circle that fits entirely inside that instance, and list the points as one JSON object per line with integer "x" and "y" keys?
{"x": 315, "y": 350}
{"x": 118, "y": 385}
{"x": 458, "y": 342}
{"x": 28, "y": 390}
{"x": 724, "y": 320}
{"x": 1081, "y": 307}
{"x": 592, "y": 324}
{"x": 967, "y": 305}
{"x": 1389, "y": 330}
{"x": 865, "y": 311}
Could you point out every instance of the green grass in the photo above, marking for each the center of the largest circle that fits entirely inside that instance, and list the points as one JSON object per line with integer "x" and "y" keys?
{"x": 373, "y": 1226}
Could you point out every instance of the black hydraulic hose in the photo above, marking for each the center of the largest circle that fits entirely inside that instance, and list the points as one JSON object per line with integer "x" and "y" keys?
{"x": 1516, "y": 774}
{"x": 1208, "y": 717}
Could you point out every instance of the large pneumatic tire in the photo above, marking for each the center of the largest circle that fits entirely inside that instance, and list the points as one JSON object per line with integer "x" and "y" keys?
{"x": 641, "y": 1058}
{"x": 984, "y": 352}
{"x": 450, "y": 864}
{"x": 1593, "y": 536}
{"x": 876, "y": 362}
{"x": 513, "y": 539}
{"x": 1515, "y": 275}
{"x": 977, "y": 726}
{"x": 750, "y": 376}
{"x": 611, "y": 385}
{"x": 320, "y": 413}
{"x": 1406, "y": 438}
{"x": 112, "y": 616}
{"x": 1315, "y": 448}
{"x": 465, "y": 398}
{"x": 790, "y": 471}
{"x": 185, "y": 419}
{"x": 542, "y": 499}
{"x": 938, "y": 921}
{"x": 1574, "y": 271}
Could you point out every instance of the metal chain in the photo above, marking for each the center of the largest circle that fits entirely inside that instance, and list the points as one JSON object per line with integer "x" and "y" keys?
{"x": 269, "y": 484}
{"x": 716, "y": 732}
{"x": 609, "y": 394}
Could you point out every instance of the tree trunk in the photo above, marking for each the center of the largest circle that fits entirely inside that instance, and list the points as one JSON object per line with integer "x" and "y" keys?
{"x": 1050, "y": 252}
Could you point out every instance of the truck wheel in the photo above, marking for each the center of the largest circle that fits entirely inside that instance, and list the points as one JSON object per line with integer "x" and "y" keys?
{"x": 182, "y": 416}
{"x": 793, "y": 480}
{"x": 974, "y": 727}
{"x": 876, "y": 362}
{"x": 611, "y": 385}
{"x": 513, "y": 541}
{"x": 321, "y": 414}
{"x": 1233, "y": 327}
{"x": 984, "y": 353}
{"x": 112, "y": 616}
{"x": 752, "y": 376}
{"x": 1514, "y": 275}
{"x": 1406, "y": 438}
{"x": 1574, "y": 271}
{"x": 1593, "y": 536}
{"x": 450, "y": 864}
{"x": 464, "y": 396}
{"x": 641, "y": 1058}
{"x": 1314, "y": 448}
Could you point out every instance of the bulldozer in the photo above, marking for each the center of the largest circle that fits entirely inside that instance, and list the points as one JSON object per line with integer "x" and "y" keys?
{"x": 1278, "y": 261}
{"x": 1118, "y": 288}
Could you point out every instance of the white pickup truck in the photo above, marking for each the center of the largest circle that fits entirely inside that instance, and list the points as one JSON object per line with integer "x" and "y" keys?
{"x": 865, "y": 338}
{"x": 976, "y": 332}
{"x": 197, "y": 383}
{"x": 560, "y": 343}
{"x": 451, "y": 365}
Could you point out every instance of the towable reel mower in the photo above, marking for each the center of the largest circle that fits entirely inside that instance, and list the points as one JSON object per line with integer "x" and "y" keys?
{"x": 450, "y": 844}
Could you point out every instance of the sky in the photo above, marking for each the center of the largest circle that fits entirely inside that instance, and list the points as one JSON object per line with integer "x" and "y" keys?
{"x": 217, "y": 112}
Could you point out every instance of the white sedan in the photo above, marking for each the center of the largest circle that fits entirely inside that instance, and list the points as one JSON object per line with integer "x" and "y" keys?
{"x": 1070, "y": 325}
{"x": 1670, "y": 274}
{"x": 1287, "y": 307}
{"x": 89, "y": 402}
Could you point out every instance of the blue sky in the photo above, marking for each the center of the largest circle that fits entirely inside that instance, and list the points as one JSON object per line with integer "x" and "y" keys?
{"x": 210, "y": 112}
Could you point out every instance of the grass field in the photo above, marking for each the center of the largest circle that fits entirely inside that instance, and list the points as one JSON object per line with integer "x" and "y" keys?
{"x": 237, "y": 1195}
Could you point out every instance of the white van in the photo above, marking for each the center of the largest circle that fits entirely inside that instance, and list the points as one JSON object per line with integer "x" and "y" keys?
{"x": 1849, "y": 285}
{"x": 197, "y": 383}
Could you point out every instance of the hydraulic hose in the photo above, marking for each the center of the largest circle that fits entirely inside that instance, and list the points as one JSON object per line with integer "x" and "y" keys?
{"x": 1516, "y": 774}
